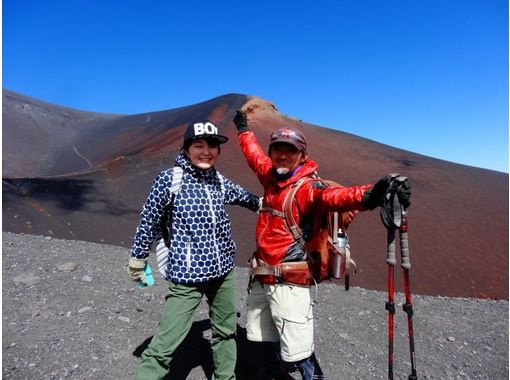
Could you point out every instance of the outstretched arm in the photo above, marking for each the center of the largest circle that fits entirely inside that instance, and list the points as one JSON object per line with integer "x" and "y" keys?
{"x": 342, "y": 199}
{"x": 367, "y": 196}
{"x": 236, "y": 195}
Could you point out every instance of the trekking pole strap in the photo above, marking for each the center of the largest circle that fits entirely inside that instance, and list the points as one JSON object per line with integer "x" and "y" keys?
{"x": 391, "y": 209}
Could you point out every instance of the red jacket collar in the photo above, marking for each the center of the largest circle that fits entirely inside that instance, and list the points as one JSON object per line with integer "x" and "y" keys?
{"x": 307, "y": 168}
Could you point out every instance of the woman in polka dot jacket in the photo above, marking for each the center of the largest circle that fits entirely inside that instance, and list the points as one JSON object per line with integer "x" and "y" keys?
{"x": 201, "y": 252}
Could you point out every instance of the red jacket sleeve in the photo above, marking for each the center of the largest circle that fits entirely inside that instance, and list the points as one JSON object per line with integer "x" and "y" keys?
{"x": 334, "y": 198}
{"x": 257, "y": 159}
{"x": 342, "y": 199}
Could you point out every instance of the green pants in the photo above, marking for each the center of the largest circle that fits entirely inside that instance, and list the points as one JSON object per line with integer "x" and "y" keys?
{"x": 180, "y": 306}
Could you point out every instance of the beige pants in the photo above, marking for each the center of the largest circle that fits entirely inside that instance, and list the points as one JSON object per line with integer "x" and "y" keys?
{"x": 282, "y": 313}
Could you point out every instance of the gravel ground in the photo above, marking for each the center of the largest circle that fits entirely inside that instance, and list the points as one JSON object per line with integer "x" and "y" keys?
{"x": 70, "y": 312}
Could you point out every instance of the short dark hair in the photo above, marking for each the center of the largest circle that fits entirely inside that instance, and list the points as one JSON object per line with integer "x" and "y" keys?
{"x": 210, "y": 142}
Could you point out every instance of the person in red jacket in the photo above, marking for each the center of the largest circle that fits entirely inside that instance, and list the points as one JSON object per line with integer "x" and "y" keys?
{"x": 280, "y": 312}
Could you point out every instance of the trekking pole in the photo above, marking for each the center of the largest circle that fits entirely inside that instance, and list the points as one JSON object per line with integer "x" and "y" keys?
{"x": 390, "y": 305}
{"x": 408, "y": 307}
{"x": 394, "y": 216}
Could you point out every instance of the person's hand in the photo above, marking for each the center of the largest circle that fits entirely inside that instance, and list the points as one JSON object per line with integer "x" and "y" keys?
{"x": 391, "y": 183}
{"x": 374, "y": 196}
{"x": 135, "y": 269}
{"x": 241, "y": 121}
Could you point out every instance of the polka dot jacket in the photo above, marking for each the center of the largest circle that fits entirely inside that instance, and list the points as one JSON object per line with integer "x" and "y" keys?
{"x": 201, "y": 246}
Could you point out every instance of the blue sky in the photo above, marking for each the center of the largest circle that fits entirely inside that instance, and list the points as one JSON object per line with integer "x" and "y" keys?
{"x": 428, "y": 76}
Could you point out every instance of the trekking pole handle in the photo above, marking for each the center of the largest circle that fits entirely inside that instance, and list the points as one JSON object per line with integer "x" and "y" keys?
{"x": 390, "y": 259}
{"x": 404, "y": 243}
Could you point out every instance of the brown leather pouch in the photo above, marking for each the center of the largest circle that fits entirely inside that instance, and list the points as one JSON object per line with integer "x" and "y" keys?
{"x": 297, "y": 273}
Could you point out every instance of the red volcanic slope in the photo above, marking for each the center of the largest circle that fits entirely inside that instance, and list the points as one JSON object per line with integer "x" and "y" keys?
{"x": 85, "y": 176}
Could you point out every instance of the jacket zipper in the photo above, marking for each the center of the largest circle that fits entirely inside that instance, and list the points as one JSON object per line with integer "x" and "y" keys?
{"x": 188, "y": 254}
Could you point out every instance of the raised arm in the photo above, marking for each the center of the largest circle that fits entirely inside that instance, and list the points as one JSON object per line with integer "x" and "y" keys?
{"x": 257, "y": 159}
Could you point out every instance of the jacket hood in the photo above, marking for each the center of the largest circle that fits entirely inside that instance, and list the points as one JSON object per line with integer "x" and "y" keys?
{"x": 185, "y": 163}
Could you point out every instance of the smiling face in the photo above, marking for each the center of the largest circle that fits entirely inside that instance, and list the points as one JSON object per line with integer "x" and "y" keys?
{"x": 203, "y": 154}
{"x": 285, "y": 157}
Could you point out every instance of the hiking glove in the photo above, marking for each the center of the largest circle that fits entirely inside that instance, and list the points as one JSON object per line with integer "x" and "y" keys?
{"x": 241, "y": 122}
{"x": 135, "y": 269}
{"x": 374, "y": 196}
{"x": 392, "y": 183}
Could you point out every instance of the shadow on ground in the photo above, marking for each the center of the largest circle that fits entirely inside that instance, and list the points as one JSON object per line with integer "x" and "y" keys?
{"x": 195, "y": 351}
